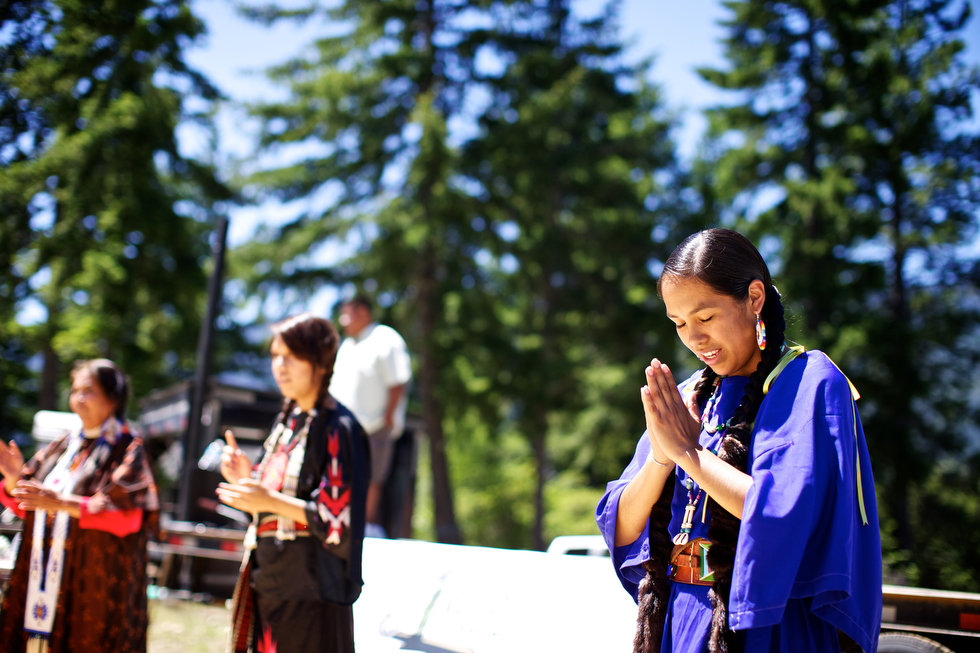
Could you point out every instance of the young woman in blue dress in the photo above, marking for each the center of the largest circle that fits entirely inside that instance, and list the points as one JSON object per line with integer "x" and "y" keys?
{"x": 746, "y": 519}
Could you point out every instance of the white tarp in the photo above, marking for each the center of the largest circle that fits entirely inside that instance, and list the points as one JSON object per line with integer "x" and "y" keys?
{"x": 49, "y": 425}
{"x": 440, "y": 598}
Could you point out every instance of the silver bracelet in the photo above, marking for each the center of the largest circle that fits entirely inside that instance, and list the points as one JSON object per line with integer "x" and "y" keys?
{"x": 651, "y": 457}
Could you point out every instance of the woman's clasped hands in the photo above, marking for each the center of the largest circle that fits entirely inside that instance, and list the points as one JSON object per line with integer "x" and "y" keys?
{"x": 673, "y": 425}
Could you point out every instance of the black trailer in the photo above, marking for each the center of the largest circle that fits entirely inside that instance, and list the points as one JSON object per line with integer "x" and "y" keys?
{"x": 187, "y": 487}
{"x": 187, "y": 478}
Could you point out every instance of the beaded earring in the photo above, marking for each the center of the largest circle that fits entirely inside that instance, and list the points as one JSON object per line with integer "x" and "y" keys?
{"x": 760, "y": 332}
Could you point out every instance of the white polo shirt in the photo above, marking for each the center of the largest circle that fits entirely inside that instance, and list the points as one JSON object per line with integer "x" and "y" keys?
{"x": 367, "y": 366}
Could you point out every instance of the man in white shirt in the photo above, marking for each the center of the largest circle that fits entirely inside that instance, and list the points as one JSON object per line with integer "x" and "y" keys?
{"x": 371, "y": 377}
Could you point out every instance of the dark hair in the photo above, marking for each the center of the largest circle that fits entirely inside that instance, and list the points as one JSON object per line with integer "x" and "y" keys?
{"x": 724, "y": 259}
{"x": 727, "y": 262}
{"x": 314, "y": 340}
{"x": 114, "y": 384}
{"x": 359, "y": 300}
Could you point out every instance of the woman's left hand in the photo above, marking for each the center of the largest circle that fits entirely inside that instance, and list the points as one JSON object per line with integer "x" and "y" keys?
{"x": 669, "y": 419}
{"x": 247, "y": 495}
{"x": 31, "y": 495}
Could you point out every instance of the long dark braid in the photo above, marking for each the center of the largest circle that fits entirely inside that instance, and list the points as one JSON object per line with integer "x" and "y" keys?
{"x": 729, "y": 263}
{"x": 652, "y": 593}
{"x": 287, "y": 409}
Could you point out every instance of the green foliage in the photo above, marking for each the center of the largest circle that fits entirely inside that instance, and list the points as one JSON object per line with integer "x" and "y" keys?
{"x": 572, "y": 147}
{"x": 948, "y": 502}
{"x": 571, "y": 506}
{"x": 106, "y": 222}
{"x": 365, "y": 128}
{"x": 494, "y": 478}
{"x": 19, "y": 386}
{"x": 516, "y": 255}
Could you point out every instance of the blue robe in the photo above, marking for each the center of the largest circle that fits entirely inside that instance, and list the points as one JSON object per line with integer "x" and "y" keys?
{"x": 805, "y": 565}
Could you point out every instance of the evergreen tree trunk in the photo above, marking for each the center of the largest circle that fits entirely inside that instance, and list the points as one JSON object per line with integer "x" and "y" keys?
{"x": 898, "y": 358}
{"x": 432, "y": 406}
{"x": 430, "y": 306}
{"x": 814, "y": 310}
{"x": 540, "y": 441}
{"x": 48, "y": 393}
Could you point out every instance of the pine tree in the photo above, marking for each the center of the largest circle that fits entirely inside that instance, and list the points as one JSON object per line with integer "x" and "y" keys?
{"x": 577, "y": 172}
{"x": 19, "y": 129}
{"x": 487, "y": 170}
{"x": 370, "y": 109}
{"x": 117, "y": 216}
{"x": 848, "y": 154}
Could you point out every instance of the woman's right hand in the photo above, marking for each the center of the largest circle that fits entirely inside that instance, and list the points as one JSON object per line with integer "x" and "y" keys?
{"x": 235, "y": 465}
{"x": 657, "y": 454}
{"x": 649, "y": 414}
{"x": 672, "y": 424}
{"x": 11, "y": 462}
{"x": 645, "y": 488}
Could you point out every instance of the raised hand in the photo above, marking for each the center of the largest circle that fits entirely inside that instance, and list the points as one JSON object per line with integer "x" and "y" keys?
{"x": 11, "y": 462}
{"x": 235, "y": 465}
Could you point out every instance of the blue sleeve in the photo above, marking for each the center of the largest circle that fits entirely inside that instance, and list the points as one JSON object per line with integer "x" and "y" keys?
{"x": 801, "y": 535}
{"x": 779, "y": 517}
{"x": 627, "y": 559}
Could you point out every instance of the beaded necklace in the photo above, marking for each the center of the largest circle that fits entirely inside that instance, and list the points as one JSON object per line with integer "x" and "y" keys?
{"x": 711, "y": 429}
{"x": 282, "y": 463}
{"x": 687, "y": 522}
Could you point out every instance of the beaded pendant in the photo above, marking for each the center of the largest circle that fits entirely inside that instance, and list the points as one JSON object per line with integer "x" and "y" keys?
{"x": 687, "y": 522}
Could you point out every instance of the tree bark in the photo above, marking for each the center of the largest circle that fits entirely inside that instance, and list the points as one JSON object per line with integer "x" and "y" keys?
{"x": 447, "y": 530}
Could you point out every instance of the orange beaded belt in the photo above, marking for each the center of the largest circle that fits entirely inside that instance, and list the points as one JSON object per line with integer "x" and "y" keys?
{"x": 689, "y": 563}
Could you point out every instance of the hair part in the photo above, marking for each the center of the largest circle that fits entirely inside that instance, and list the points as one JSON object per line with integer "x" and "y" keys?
{"x": 723, "y": 259}
{"x": 108, "y": 376}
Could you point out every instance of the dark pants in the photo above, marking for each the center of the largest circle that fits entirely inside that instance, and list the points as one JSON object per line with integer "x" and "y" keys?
{"x": 300, "y": 626}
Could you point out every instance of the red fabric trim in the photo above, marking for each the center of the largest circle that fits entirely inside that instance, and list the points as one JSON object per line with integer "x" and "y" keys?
{"x": 118, "y": 522}
{"x": 335, "y": 506}
{"x": 9, "y": 501}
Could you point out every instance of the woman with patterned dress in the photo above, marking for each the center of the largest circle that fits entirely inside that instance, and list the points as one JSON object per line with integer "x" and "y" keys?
{"x": 302, "y": 569}
{"x": 746, "y": 520}
{"x": 89, "y": 503}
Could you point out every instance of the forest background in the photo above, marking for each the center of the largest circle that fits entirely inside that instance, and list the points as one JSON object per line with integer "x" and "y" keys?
{"x": 506, "y": 180}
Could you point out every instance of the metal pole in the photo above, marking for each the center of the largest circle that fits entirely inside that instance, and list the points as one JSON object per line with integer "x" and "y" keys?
{"x": 192, "y": 439}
